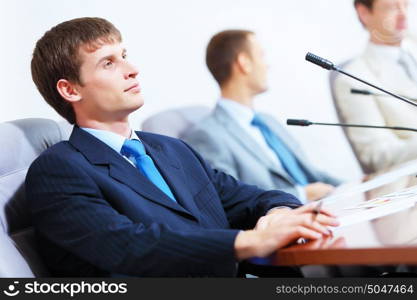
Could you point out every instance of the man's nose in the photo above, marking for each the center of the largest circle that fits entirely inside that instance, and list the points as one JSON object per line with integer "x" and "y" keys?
{"x": 130, "y": 71}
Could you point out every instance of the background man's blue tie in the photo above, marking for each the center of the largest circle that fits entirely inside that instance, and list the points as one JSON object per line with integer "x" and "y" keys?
{"x": 287, "y": 159}
{"x": 135, "y": 151}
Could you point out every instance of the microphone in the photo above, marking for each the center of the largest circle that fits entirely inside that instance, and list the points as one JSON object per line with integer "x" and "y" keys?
{"x": 324, "y": 63}
{"x": 302, "y": 122}
{"x": 328, "y": 65}
{"x": 369, "y": 93}
{"x": 364, "y": 92}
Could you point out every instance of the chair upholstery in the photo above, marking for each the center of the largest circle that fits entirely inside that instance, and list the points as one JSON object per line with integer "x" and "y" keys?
{"x": 21, "y": 142}
{"x": 175, "y": 122}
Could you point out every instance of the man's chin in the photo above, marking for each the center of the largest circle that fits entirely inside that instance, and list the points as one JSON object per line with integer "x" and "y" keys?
{"x": 391, "y": 38}
{"x": 139, "y": 102}
{"x": 136, "y": 107}
{"x": 263, "y": 90}
{"x": 132, "y": 108}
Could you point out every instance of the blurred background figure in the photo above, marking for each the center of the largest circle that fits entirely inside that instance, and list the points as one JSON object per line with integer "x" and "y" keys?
{"x": 389, "y": 61}
{"x": 236, "y": 139}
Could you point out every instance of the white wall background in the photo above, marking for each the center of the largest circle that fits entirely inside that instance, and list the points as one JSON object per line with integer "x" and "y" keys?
{"x": 167, "y": 39}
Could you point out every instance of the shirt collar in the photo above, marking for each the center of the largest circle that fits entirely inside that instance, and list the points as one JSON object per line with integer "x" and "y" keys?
{"x": 111, "y": 139}
{"x": 392, "y": 53}
{"x": 240, "y": 113}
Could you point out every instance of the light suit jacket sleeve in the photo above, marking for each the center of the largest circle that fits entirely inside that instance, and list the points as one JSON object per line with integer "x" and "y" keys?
{"x": 376, "y": 149}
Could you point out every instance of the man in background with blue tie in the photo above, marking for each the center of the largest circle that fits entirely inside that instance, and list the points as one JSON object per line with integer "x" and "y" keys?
{"x": 251, "y": 146}
{"x": 112, "y": 201}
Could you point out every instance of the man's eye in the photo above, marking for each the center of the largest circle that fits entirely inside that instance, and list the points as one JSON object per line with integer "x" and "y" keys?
{"x": 124, "y": 56}
{"x": 108, "y": 63}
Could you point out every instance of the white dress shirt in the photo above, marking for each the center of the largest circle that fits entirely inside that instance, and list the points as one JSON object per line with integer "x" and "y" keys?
{"x": 113, "y": 140}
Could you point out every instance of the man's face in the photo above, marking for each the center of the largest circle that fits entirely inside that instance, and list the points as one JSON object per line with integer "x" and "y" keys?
{"x": 387, "y": 20}
{"x": 109, "y": 89}
{"x": 257, "y": 79}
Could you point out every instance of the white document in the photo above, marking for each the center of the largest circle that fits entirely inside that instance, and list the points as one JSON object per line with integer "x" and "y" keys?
{"x": 377, "y": 207}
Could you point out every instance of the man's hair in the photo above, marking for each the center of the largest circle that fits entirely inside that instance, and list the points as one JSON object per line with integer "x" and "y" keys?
{"x": 57, "y": 56}
{"x": 368, "y": 3}
{"x": 223, "y": 50}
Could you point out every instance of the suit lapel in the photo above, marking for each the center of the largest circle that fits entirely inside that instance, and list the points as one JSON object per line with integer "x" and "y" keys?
{"x": 248, "y": 143}
{"x": 172, "y": 172}
{"x": 98, "y": 153}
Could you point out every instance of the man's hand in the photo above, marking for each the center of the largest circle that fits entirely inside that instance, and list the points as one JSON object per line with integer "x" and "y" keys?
{"x": 316, "y": 191}
{"x": 282, "y": 227}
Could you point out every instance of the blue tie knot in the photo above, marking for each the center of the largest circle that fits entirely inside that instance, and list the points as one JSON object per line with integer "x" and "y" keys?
{"x": 257, "y": 121}
{"x": 133, "y": 148}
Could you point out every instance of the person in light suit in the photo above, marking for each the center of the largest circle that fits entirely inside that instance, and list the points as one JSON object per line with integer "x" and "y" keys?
{"x": 389, "y": 61}
{"x": 116, "y": 202}
{"x": 251, "y": 146}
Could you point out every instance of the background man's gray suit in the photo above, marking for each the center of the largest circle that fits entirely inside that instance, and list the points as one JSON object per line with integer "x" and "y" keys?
{"x": 227, "y": 147}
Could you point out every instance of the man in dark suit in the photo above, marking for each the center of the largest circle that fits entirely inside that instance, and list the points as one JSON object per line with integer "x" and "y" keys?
{"x": 115, "y": 201}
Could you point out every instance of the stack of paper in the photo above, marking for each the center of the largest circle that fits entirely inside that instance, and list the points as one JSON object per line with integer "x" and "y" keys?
{"x": 377, "y": 207}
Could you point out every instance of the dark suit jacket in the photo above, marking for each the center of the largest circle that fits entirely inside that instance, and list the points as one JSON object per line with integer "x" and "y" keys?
{"x": 96, "y": 215}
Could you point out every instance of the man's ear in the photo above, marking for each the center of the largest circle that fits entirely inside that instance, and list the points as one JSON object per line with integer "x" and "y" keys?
{"x": 68, "y": 90}
{"x": 244, "y": 63}
{"x": 364, "y": 14}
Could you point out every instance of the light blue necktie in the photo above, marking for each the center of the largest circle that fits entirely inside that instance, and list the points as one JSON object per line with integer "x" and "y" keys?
{"x": 287, "y": 159}
{"x": 135, "y": 151}
{"x": 407, "y": 62}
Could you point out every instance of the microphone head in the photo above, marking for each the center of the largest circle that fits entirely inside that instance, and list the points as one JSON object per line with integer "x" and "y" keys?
{"x": 324, "y": 63}
{"x": 361, "y": 92}
{"x": 298, "y": 122}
